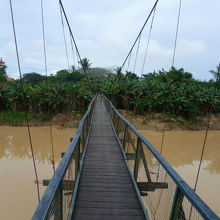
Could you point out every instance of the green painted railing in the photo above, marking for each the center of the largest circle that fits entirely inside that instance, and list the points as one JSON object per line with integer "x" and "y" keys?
{"x": 164, "y": 193}
{"x": 57, "y": 200}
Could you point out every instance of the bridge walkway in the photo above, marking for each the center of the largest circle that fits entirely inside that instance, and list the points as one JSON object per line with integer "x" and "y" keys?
{"x": 106, "y": 190}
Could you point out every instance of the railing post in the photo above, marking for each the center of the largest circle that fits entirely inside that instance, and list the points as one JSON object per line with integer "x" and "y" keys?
{"x": 87, "y": 126}
{"x": 110, "y": 111}
{"x": 77, "y": 155}
{"x": 137, "y": 159}
{"x": 61, "y": 201}
{"x": 177, "y": 210}
{"x": 89, "y": 119}
{"x": 117, "y": 123}
{"x": 125, "y": 137}
{"x": 83, "y": 137}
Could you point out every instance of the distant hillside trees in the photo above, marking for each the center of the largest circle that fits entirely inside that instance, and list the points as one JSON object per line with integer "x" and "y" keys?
{"x": 172, "y": 92}
{"x": 100, "y": 72}
{"x": 33, "y": 78}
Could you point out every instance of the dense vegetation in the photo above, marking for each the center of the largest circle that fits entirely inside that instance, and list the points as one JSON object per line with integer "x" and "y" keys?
{"x": 173, "y": 92}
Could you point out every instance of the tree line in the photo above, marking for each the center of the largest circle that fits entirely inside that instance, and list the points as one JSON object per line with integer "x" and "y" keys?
{"x": 173, "y": 92}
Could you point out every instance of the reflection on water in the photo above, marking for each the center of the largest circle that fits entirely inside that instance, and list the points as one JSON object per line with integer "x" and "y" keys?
{"x": 182, "y": 149}
{"x": 18, "y": 192}
{"x": 15, "y": 143}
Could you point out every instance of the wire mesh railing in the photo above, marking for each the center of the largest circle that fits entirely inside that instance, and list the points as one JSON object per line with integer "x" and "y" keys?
{"x": 56, "y": 201}
{"x": 164, "y": 193}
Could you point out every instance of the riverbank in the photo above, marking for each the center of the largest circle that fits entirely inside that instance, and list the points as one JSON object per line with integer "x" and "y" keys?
{"x": 67, "y": 120}
{"x": 154, "y": 122}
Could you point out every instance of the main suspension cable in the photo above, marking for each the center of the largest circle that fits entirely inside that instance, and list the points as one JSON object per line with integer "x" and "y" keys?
{"x": 177, "y": 29}
{"x": 45, "y": 66}
{"x": 136, "y": 55}
{"x": 155, "y": 4}
{"x": 71, "y": 33}
{"x": 129, "y": 59}
{"x": 148, "y": 41}
{"x": 64, "y": 37}
{"x": 73, "y": 53}
{"x": 24, "y": 98}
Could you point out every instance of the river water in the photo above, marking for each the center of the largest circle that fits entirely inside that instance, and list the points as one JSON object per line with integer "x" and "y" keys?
{"x": 182, "y": 149}
{"x": 18, "y": 193}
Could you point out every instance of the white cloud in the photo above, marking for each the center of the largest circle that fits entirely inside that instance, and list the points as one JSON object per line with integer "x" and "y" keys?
{"x": 105, "y": 30}
{"x": 190, "y": 48}
{"x": 159, "y": 51}
{"x": 15, "y": 75}
{"x": 53, "y": 72}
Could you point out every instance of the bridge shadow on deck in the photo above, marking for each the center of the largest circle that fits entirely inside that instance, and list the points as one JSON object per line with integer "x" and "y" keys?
{"x": 106, "y": 190}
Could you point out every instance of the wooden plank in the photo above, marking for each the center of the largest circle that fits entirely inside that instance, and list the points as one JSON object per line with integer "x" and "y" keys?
{"x": 106, "y": 177}
{"x": 66, "y": 184}
{"x": 108, "y": 160}
{"x": 119, "y": 205}
{"x": 106, "y": 180}
{"x": 105, "y": 217}
{"x": 151, "y": 186}
{"x": 101, "y": 173}
{"x": 109, "y": 211}
{"x": 104, "y": 169}
{"x": 98, "y": 193}
{"x": 130, "y": 156}
{"x": 105, "y": 199}
{"x": 106, "y": 190}
{"x": 104, "y": 185}
{"x": 104, "y": 163}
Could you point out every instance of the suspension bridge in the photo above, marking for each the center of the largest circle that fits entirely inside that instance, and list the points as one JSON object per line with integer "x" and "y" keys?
{"x": 110, "y": 171}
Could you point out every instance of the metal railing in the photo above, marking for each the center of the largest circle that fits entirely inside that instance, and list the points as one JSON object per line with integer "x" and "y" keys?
{"x": 164, "y": 193}
{"x": 57, "y": 200}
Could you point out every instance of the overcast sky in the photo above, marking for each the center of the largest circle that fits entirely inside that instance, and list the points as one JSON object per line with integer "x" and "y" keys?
{"x": 105, "y": 30}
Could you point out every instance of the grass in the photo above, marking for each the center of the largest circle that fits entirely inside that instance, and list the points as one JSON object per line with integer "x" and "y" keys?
{"x": 145, "y": 122}
{"x": 14, "y": 118}
{"x": 180, "y": 122}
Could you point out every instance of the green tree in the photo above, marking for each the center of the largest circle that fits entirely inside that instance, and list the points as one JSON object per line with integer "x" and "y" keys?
{"x": 33, "y": 78}
{"x": 119, "y": 73}
{"x": 62, "y": 75}
{"x": 99, "y": 72}
{"x": 216, "y": 73}
{"x": 85, "y": 64}
{"x": 66, "y": 76}
{"x": 131, "y": 75}
{"x": 178, "y": 75}
{"x": 3, "y": 74}
{"x": 149, "y": 76}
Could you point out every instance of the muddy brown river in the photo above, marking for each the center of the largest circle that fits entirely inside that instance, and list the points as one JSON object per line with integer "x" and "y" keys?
{"x": 18, "y": 194}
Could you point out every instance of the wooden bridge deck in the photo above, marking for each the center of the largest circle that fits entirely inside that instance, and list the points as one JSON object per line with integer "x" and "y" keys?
{"x": 106, "y": 190}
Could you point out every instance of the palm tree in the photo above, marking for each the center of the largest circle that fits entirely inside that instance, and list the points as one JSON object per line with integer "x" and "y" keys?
{"x": 85, "y": 64}
{"x": 119, "y": 73}
{"x": 216, "y": 73}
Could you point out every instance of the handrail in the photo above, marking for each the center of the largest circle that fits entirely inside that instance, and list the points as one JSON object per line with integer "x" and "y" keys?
{"x": 196, "y": 201}
{"x": 50, "y": 193}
